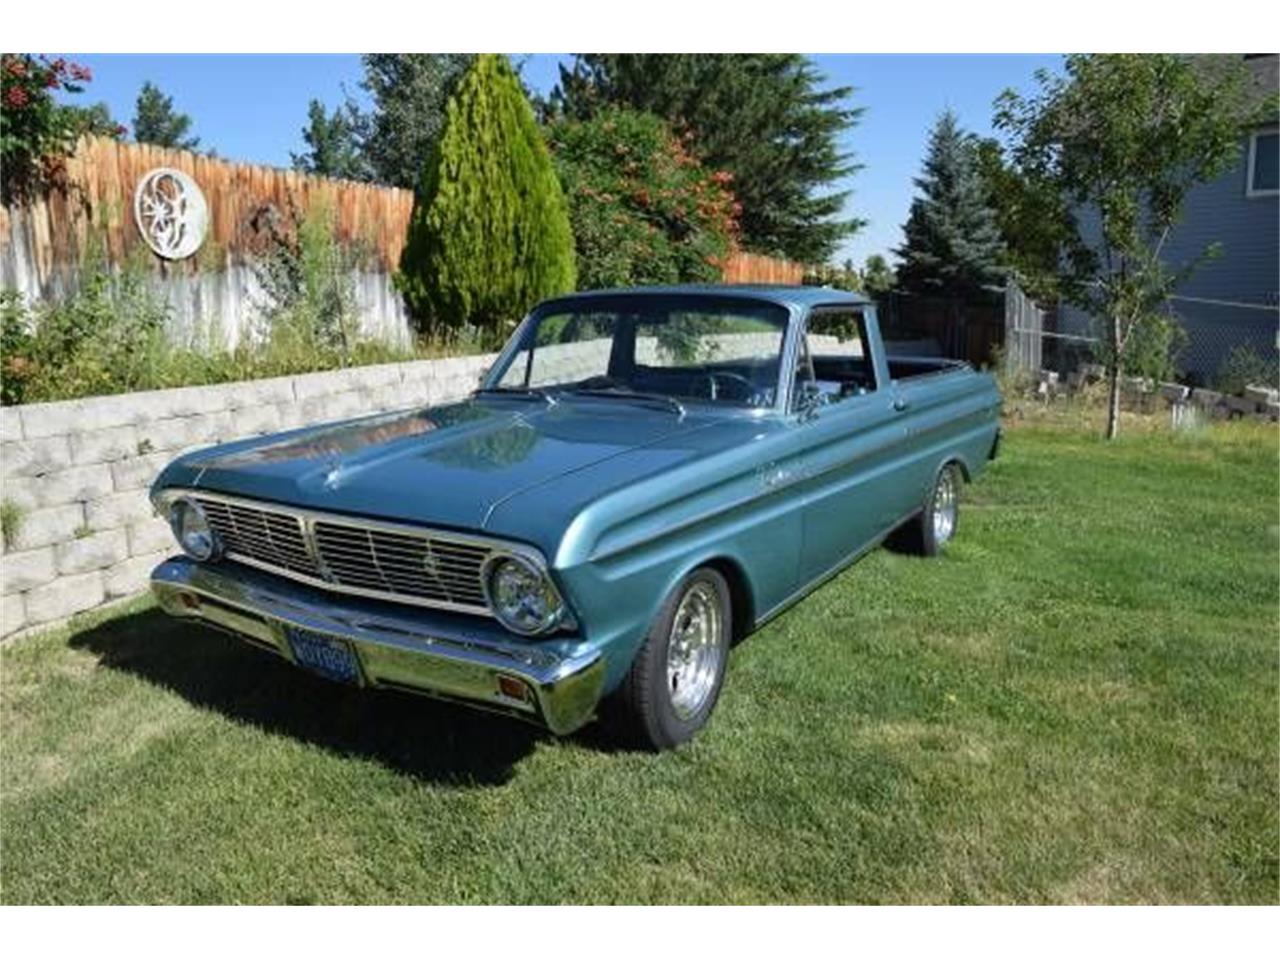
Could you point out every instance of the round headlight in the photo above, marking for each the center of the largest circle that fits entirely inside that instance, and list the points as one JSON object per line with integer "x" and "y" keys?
{"x": 191, "y": 528}
{"x": 522, "y": 596}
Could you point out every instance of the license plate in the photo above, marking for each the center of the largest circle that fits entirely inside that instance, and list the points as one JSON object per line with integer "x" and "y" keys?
{"x": 328, "y": 656}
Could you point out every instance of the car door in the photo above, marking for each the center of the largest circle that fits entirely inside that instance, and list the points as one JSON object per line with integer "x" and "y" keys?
{"x": 852, "y": 429}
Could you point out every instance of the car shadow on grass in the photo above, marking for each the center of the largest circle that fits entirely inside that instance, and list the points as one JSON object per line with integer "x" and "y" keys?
{"x": 428, "y": 739}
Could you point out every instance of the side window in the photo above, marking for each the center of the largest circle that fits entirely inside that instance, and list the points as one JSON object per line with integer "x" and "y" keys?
{"x": 1264, "y": 164}
{"x": 835, "y": 360}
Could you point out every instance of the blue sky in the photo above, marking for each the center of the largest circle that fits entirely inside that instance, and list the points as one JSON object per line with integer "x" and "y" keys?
{"x": 253, "y": 108}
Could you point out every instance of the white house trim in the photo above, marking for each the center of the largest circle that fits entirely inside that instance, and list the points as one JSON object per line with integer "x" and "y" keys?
{"x": 1253, "y": 148}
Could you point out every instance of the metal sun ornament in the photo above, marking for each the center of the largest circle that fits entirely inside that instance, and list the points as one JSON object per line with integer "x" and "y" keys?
{"x": 171, "y": 213}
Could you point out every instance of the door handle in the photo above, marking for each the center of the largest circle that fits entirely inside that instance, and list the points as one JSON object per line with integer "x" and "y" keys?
{"x": 900, "y": 404}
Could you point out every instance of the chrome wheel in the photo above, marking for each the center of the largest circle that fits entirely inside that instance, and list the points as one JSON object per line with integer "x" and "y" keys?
{"x": 944, "y": 505}
{"x": 694, "y": 649}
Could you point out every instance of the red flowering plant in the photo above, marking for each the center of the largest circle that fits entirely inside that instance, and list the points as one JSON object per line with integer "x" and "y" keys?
{"x": 643, "y": 209}
{"x": 36, "y": 132}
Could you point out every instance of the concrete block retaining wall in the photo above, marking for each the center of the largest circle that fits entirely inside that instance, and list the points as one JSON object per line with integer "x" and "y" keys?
{"x": 75, "y": 474}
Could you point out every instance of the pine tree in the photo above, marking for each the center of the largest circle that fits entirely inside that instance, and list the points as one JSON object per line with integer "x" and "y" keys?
{"x": 155, "y": 121}
{"x": 490, "y": 233}
{"x": 764, "y": 118}
{"x": 953, "y": 244}
{"x": 332, "y": 147}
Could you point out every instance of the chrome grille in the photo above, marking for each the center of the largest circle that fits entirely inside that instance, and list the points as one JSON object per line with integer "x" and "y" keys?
{"x": 401, "y": 564}
{"x": 267, "y": 536}
{"x": 373, "y": 559}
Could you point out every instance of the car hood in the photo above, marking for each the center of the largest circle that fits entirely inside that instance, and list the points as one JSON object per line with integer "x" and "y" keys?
{"x": 446, "y": 466}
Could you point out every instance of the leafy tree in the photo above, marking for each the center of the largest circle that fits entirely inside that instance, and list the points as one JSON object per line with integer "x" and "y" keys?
{"x": 409, "y": 91}
{"x": 877, "y": 275}
{"x": 643, "y": 209}
{"x": 490, "y": 233}
{"x": 96, "y": 121}
{"x": 155, "y": 121}
{"x": 842, "y": 277}
{"x": 36, "y": 133}
{"x": 1120, "y": 139}
{"x": 333, "y": 147}
{"x": 764, "y": 118}
{"x": 1030, "y": 220}
{"x": 952, "y": 243}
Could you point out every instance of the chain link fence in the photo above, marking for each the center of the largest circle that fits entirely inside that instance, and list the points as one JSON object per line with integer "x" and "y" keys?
{"x": 1226, "y": 343}
{"x": 1224, "y": 339}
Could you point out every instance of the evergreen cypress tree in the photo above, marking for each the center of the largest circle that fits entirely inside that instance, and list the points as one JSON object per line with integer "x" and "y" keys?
{"x": 490, "y": 233}
{"x": 953, "y": 243}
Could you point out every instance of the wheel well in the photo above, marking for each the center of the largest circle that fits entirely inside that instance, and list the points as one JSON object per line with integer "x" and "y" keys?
{"x": 740, "y": 597}
{"x": 964, "y": 467}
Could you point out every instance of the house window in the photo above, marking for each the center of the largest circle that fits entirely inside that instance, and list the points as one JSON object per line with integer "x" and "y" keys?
{"x": 1264, "y": 163}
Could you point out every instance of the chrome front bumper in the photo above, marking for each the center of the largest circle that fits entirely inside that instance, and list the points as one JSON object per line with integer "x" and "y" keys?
{"x": 436, "y": 654}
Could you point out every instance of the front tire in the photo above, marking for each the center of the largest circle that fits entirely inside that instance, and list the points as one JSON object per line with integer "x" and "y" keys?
{"x": 674, "y": 682}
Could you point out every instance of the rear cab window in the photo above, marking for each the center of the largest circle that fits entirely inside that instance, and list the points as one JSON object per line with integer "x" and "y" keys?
{"x": 834, "y": 363}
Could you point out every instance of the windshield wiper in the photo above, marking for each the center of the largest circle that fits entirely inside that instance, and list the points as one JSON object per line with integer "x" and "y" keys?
{"x": 621, "y": 393}
{"x": 523, "y": 393}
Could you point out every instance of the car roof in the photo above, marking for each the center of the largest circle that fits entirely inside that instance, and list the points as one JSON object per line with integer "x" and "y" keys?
{"x": 786, "y": 296}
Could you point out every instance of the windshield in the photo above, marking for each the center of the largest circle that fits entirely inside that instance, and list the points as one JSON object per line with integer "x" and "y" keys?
{"x": 687, "y": 348}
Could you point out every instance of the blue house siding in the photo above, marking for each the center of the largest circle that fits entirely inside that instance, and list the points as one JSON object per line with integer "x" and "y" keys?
{"x": 1246, "y": 228}
{"x": 1246, "y": 271}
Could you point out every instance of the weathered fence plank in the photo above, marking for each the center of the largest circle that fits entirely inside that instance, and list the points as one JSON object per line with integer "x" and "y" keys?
{"x": 743, "y": 267}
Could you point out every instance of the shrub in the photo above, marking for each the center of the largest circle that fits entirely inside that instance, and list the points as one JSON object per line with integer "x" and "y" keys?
{"x": 106, "y": 338}
{"x": 35, "y": 130}
{"x": 1154, "y": 348}
{"x": 490, "y": 235}
{"x": 1151, "y": 349}
{"x": 113, "y": 335}
{"x": 308, "y": 298}
{"x": 643, "y": 209}
{"x": 843, "y": 277}
{"x": 1244, "y": 367}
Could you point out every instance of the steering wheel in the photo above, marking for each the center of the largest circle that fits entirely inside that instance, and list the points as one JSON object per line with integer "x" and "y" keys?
{"x": 749, "y": 388}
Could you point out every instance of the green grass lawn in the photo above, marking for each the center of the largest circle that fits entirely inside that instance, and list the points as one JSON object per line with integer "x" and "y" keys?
{"x": 1077, "y": 703}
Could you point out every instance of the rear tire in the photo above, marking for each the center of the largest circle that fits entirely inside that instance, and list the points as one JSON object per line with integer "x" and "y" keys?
{"x": 927, "y": 533}
{"x": 675, "y": 679}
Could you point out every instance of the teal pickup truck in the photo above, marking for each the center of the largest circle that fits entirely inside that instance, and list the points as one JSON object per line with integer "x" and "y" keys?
{"x": 643, "y": 477}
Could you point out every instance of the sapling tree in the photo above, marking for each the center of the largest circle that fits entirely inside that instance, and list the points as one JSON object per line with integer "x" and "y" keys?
{"x": 1121, "y": 139}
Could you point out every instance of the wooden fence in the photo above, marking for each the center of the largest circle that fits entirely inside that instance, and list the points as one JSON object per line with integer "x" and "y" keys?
{"x": 44, "y": 245}
{"x": 743, "y": 267}
{"x": 960, "y": 328}
{"x": 96, "y": 196}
